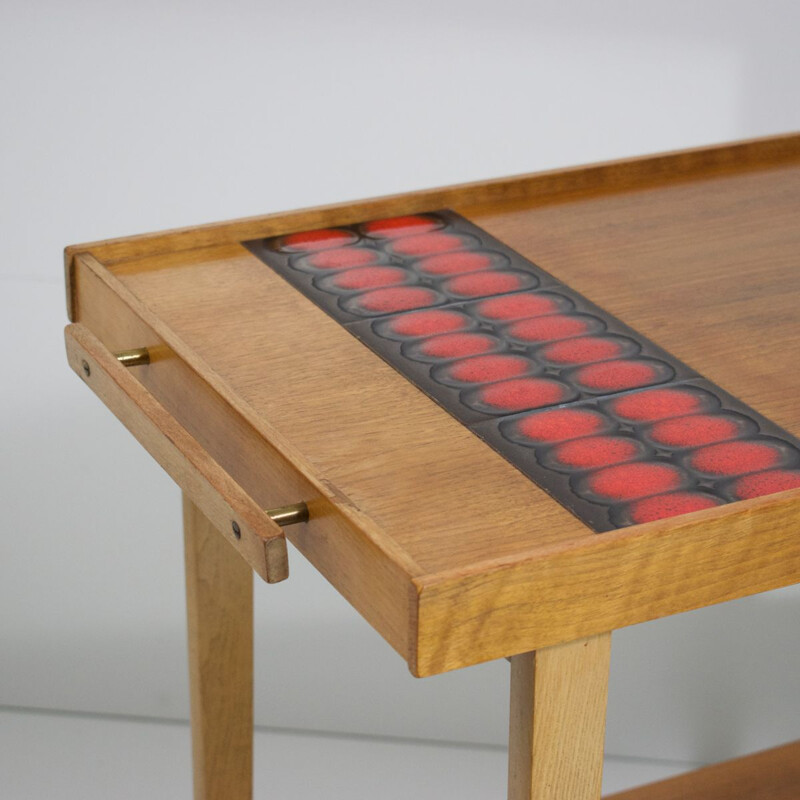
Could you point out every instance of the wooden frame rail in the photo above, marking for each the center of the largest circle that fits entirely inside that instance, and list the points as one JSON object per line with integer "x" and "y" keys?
{"x": 769, "y": 775}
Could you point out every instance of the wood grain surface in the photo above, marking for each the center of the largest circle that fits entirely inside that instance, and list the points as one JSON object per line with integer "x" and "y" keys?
{"x": 219, "y": 607}
{"x": 260, "y": 541}
{"x": 449, "y": 551}
{"x": 709, "y": 270}
{"x": 558, "y": 721}
{"x": 542, "y": 187}
{"x": 770, "y": 775}
{"x": 606, "y": 581}
{"x": 374, "y": 575}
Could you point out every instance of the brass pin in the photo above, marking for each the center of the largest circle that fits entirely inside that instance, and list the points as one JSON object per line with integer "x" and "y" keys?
{"x": 289, "y": 515}
{"x": 133, "y": 358}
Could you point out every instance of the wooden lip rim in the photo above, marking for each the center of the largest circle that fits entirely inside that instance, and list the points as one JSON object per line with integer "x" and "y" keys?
{"x": 543, "y": 187}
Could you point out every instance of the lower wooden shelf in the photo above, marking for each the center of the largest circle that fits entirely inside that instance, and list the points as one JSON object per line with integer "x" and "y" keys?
{"x": 769, "y": 775}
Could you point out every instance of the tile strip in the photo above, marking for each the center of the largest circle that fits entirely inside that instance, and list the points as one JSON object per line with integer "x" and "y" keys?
{"x": 615, "y": 428}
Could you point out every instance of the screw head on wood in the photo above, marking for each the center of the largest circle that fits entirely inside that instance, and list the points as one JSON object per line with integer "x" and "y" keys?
{"x": 237, "y": 531}
{"x": 86, "y": 369}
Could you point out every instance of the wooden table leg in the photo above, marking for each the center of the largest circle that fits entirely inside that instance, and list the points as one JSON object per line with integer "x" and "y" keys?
{"x": 219, "y": 601}
{"x": 557, "y": 721}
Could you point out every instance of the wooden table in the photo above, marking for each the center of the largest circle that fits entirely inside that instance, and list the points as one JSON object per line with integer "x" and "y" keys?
{"x": 238, "y": 370}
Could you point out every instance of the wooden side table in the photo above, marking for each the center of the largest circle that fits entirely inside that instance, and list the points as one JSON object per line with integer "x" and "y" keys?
{"x": 503, "y": 419}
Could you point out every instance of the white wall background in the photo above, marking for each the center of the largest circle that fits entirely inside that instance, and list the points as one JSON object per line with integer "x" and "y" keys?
{"x": 122, "y": 117}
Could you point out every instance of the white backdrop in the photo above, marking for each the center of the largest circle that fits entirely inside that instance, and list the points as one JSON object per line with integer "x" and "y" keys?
{"x": 125, "y": 117}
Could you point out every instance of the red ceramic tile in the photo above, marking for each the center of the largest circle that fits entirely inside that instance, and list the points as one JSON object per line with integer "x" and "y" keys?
{"x": 607, "y": 377}
{"x": 426, "y": 244}
{"x": 559, "y": 425}
{"x": 519, "y": 306}
{"x": 487, "y": 282}
{"x": 694, "y": 430}
{"x": 395, "y": 227}
{"x": 592, "y": 452}
{"x": 338, "y": 258}
{"x": 484, "y": 369}
{"x": 586, "y": 350}
{"x": 459, "y": 262}
{"x": 453, "y": 345}
{"x": 656, "y": 404}
{"x": 737, "y": 458}
{"x": 662, "y": 506}
{"x": 519, "y": 394}
{"x": 390, "y": 300}
{"x": 759, "y": 484}
{"x": 362, "y": 278}
{"x": 625, "y": 482}
{"x": 310, "y": 241}
{"x": 537, "y": 330}
{"x": 424, "y": 323}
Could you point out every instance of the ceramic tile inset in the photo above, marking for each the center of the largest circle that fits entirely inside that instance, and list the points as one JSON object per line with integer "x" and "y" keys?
{"x": 612, "y": 426}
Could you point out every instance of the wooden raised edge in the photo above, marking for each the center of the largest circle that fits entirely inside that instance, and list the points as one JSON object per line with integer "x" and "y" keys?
{"x": 549, "y": 186}
{"x": 221, "y": 499}
{"x": 69, "y": 286}
{"x": 769, "y": 775}
{"x": 297, "y": 459}
{"x": 601, "y": 583}
{"x": 541, "y": 597}
{"x": 342, "y": 542}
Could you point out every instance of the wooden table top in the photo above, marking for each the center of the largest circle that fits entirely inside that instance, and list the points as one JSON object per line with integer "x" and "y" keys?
{"x": 449, "y": 551}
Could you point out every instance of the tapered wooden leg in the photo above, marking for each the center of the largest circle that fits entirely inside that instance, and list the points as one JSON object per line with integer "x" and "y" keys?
{"x": 219, "y": 601}
{"x": 558, "y": 716}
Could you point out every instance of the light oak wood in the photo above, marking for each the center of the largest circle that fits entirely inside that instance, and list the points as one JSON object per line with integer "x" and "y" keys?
{"x": 606, "y": 581}
{"x": 557, "y": 721}
{"x": 341, "y": 542}
{"x": 219, "y": 605}
{"x": 708, "y": 269}
{"x": 770, "y": 775}
{"x": 543, "y": 187}
{"x": 309, "y": 386}
{"x": 449, "y": 551}
{"x": 262, "y": 543}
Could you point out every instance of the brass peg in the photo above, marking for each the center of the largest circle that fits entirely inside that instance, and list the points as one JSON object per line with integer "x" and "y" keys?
{"x": 289, "y": 515}
{"x": 133, "y": 358}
